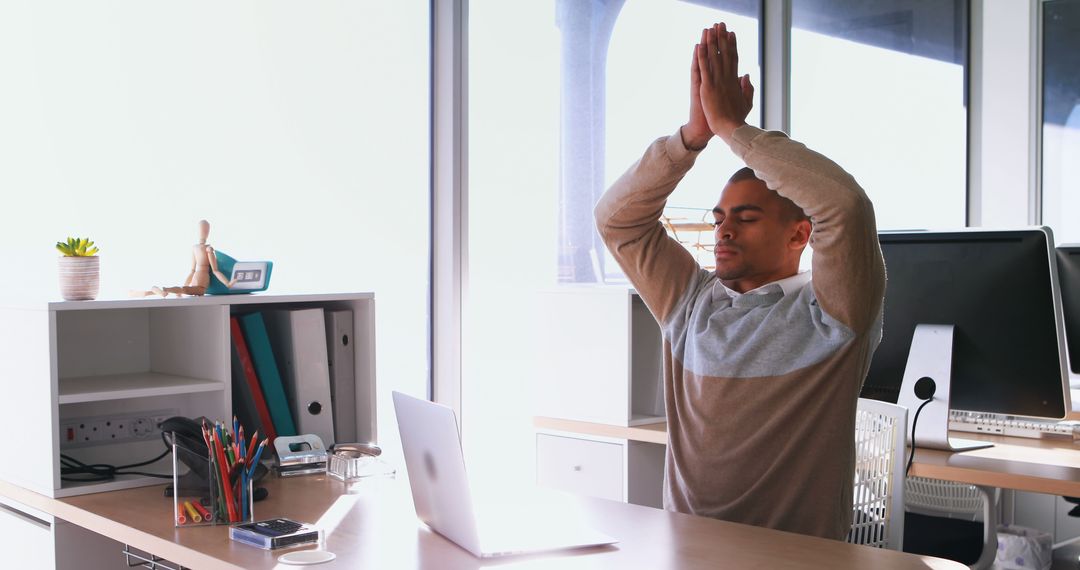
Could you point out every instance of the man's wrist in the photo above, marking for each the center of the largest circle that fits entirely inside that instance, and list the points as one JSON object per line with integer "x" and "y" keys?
{"x": 694, "y": 142}
{"x": 727, "y": 131}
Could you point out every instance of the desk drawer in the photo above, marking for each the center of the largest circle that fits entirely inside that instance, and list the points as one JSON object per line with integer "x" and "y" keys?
{"x": 26, "y": 537}
{"x": 580, "y": 466}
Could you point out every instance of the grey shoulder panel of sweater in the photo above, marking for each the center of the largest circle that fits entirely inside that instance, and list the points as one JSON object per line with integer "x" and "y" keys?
{"x": 752, "y": 336}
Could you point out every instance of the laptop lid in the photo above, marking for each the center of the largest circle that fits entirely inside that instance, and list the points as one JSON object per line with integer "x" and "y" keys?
{"x": 436, "y": 469}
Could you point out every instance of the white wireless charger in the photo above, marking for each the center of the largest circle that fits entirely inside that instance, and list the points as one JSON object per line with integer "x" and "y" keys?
{"x": 306, "y": 557}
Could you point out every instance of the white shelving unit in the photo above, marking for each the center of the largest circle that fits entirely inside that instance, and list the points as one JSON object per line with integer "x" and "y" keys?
{"x": 599, "y": 466}
{"x": 604, "y": 365}
{"x": 605, "y": 357}
{"x": 68, "y": 360}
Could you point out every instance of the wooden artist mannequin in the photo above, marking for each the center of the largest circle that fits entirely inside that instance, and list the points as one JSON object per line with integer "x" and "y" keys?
{"x": 203, "y": 261}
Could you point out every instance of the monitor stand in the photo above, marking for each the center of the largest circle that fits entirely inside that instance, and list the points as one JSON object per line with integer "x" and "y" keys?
{"x": 931, "y": 356}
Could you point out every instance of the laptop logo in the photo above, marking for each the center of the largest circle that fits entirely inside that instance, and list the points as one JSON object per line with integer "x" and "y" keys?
{"x": 429, "y": 465}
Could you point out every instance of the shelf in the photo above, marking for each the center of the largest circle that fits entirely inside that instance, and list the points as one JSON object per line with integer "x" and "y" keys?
{"x": 137, "y": 385}
{"x": 115, "y": 358}
{"x": 163, "y": 466}
{"x": 644, "y": 419}
{"x": 206, "y": 301}
{"x": 649, "y": 433}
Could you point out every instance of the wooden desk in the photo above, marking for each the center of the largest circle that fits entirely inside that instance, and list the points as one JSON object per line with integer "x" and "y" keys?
{"x": 1050, "y": 465}
{"x": 1047, "y": 465}
{"x": 373, "y": 525}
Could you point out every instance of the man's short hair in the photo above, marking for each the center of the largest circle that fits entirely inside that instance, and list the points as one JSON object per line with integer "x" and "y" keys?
{"x": 744, "y": 173}
{"x": 791, "y": 211}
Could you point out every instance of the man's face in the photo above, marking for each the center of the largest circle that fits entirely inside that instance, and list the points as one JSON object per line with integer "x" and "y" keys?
{"x": 756, "y": 238}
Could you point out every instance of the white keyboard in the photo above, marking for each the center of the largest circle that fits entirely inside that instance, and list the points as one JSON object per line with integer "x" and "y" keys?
{"x": 978, "y": 422}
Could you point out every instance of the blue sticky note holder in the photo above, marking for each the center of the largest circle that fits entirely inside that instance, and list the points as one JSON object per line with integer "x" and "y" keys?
{"x": 252, "y": 276}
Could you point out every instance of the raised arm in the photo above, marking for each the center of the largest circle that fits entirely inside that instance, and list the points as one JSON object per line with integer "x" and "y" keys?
{"x": 848, "y": 269}
{"x": 628, "y": 214}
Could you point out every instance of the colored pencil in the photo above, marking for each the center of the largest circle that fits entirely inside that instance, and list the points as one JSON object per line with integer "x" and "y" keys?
{"x": 226, "y": 485}
{"x": 255, "y": 460}
{"x": 251, "y": 446}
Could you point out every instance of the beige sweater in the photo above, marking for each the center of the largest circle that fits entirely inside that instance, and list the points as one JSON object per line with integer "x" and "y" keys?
{"x": 761, "y": 390}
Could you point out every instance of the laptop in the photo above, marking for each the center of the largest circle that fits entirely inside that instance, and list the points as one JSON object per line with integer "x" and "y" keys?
{"x": 440, "y": 491}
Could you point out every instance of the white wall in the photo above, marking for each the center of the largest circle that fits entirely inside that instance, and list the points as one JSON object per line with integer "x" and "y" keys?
{"x": 298, "y": 129}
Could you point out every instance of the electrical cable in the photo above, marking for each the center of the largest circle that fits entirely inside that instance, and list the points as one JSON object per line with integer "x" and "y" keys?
{"x": 95, "y": 472}
{"x": 914, "y": 423}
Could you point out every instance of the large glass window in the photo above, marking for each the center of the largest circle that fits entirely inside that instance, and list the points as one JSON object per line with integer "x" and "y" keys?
{"x": 879, "y": 87}
{"x": 301, "y": 132}
{"x": 1061, "y": 119}
{"x": 563, "y": 97}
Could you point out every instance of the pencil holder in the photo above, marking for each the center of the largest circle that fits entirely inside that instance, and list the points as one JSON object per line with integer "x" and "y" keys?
{"x": 200, "y": 496}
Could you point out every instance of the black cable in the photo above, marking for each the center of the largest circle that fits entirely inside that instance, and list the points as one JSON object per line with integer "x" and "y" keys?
{"x": 145, "y": 474}
{"x": 90, "y": 473}
{"x": 914, "y": 423}
{"x": 96, "y": 472}
{"x": 147, "y": 462}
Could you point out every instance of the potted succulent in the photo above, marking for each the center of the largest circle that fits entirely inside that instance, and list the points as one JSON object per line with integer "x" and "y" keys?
{"x": 79, "y": 269}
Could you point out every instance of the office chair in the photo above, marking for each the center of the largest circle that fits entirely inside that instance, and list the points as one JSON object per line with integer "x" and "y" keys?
{"x": 880, "y": 439}
{"x": 941, "y": 520}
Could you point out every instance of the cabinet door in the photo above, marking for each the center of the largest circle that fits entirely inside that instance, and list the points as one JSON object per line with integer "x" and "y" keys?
{"x": 26, "y": 540}
{"x": 1065, "y": 527}
{"x": 585, "y": 334}
{"x": 82, "y": 549}
{"x": 580, "y": 466}
{"x": 1036, "y": 510}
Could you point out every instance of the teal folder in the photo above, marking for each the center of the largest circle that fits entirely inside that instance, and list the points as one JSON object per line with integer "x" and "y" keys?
{"x": 269, "y": 375}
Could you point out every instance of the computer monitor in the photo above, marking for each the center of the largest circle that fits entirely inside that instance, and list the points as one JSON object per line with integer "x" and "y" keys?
{"x": 999, "y": 290}
{"x": 1068, "y": 258}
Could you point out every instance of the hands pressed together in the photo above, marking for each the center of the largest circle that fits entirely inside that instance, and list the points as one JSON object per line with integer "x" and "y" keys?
{"x": 720, "y": 99}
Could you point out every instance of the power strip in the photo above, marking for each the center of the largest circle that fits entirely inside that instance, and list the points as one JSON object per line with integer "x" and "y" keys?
{"x": 113, "y": 428}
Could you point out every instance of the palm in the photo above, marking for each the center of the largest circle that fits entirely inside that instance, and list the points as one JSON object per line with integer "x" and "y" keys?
{"x": 696, "y": 132}
{"x": 697, "y": 114}
{"x": 725, "y": 98}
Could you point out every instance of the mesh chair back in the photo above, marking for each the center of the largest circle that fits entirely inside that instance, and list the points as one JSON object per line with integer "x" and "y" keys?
{"x": 933, "y": 496}
{"x": 959, "y": 501}
{"x": 879, "y": 475}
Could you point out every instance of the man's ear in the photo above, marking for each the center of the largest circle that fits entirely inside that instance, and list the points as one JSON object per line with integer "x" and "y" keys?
{"x": 800, "y": 234}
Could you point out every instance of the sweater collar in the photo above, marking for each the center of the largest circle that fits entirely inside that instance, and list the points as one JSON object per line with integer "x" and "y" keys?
{"x": 786, "y": 286}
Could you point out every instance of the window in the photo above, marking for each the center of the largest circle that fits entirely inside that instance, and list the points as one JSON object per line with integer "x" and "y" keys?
{"x": 879, "y": 87}
{"x": 637, "y": 111}
{"x": 563, "y": 97}
{"x": 1061, "y": 119}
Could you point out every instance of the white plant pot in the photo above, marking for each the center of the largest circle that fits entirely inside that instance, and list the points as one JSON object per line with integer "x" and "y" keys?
{"x": 79, "y": 278}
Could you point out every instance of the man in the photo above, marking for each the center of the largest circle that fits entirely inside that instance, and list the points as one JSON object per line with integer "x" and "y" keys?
{"x": 763, "y": 365}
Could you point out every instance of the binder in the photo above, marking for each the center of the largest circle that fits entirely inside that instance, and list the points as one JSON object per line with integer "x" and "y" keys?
{"x": 266, "y": 367}
{"x": 249, "y": 403}
{"x": 243, "y": 404}
{"x": 298, "y": 338}
{"x": 339, "y": 349}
